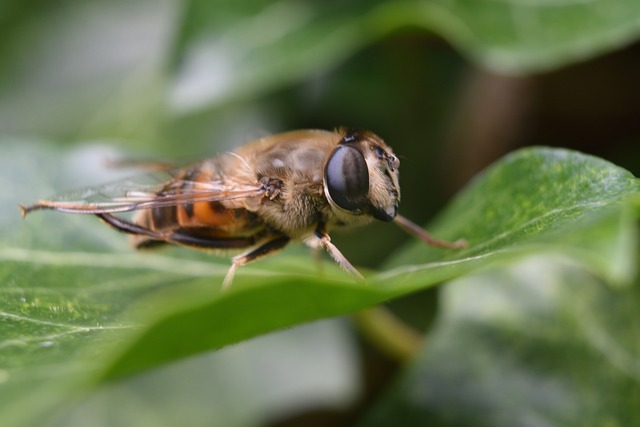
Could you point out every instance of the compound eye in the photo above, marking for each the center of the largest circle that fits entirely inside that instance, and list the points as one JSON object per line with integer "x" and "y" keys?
{"x": 346, "y": 178}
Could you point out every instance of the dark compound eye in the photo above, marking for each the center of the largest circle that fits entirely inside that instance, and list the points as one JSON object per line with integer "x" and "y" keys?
{"x": 347, "y": 178}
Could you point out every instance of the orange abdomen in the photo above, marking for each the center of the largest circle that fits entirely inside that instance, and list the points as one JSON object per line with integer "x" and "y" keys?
{"x": 210, "y": 220}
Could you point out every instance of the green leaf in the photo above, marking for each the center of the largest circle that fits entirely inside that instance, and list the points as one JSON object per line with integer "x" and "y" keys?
{"x": 537, "y": 199}
{"x": 249, "y": 384}
{"x": 77, "y": 306}
{"x": 540, "y": 342}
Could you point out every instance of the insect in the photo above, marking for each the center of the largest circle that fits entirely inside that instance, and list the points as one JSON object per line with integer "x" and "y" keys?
{"x": 293, "y": 186}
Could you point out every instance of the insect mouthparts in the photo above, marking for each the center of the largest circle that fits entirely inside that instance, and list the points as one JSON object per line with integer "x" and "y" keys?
{"x": 385, "y": 215}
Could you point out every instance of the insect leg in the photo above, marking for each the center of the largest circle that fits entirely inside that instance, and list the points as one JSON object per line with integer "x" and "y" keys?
{"x": 179, "y": 236}
{"x": 183, "y": 237}
{"x": 420, "y": 233}
{"x": 129, "y": 227}
{"x": 264, "y": 249}
{"x": 321, "y": 239}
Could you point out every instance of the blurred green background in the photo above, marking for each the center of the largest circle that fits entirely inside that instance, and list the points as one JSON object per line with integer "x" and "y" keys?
{"x": 450, "y": 85}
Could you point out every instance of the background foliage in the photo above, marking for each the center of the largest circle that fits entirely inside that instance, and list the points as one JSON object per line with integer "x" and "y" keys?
{"x": 540, "y": 326}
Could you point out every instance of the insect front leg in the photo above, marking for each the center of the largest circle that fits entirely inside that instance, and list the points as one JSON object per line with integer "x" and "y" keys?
{"x": 263, "y": 250}
{"x": 320, "y": 239}
{"x": 420, "y": 233}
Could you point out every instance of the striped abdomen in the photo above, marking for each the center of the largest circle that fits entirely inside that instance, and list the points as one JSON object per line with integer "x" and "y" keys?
{"x": 207, "y": 224}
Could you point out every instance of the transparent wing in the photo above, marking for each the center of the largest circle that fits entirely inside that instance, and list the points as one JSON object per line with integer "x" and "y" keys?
{"x": 155, "y": 189}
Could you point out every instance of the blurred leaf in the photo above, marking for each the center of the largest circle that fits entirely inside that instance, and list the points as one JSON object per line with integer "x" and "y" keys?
{"x": 85, "y": 68}
{"x": 96, "y": 310}
{"x": 539, "y": 343}
{"x": 118, "y": 65}
{"x": 237, "y": 50}
{"x": 524, "y": 37}
{"x": 254, "y": 383}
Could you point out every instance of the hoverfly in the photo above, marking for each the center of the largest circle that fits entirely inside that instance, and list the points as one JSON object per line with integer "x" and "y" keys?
{"x": 291, "y": 186}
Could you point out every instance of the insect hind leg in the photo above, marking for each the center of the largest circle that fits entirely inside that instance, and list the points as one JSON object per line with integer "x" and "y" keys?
{"x": 129, "y": 227}
{"x": 263, "y": 250}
